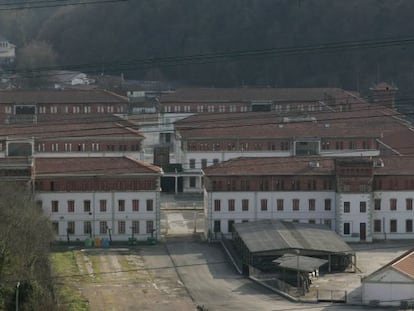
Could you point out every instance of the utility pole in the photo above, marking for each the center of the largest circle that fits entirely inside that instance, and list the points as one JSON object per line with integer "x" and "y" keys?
{"x": 297, "y": 270}
{"x": 17, "y": 296}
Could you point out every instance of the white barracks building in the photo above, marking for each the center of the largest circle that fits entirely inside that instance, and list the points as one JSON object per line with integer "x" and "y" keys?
{"x": 361, "y": 198}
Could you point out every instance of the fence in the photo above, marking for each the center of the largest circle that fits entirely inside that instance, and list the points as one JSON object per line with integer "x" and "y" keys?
{"x": 331, "y": 295}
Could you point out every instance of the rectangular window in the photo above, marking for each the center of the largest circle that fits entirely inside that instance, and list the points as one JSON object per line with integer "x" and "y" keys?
{"x": 328, "y": 204}
{"x": 121, "y": 227}
{"x": 86, "y": 206}
{"x": 295, "y": 204}
{"x": 393, "y": 204}
{"x": 245, "y": 205}
{"x": 87, "y": 227}
{"x": 393, "y": 225}
{"x": 328, "y": 222}
{"x": 409, "y": 204}
{"x": 408, "y": 225}
{"x": 135, "y": 227}
{"x": 150, "y": 205}
{"x": 192, "y": 182}
{"x": 362, "y": 207}
{"x": 216, "y": 161}
{"x": 55, "y": 227}
{"x": 150, "y": 226}
{"x": 312, "y": 221}
{"x": 217, "y": 205}
{"x": 103, "y": 227}
{"x": 377, "y": 225}
{"x": 203, "y": 163}
{"x": 102, "y": 205}
{"x": 347, "y": 207}
{"x": 232, "y": 205}
{"x": 230, "y": 226}
{"x": 71, "y": 206}
{"x": 279, "y": 204}
{"x": 217, "y": 226}
{"x": 312, "y": 204}
{"x": 55, "y": 206}
{"x": 377, "y": 204}
{"x": 263, "y": 204}
{"x": 347, "y": 228}
{"x": 135, "y": 205}
{"x": 192, "y": 163}
{"x": 70, "y": 229}
{"x": 121, "y": 205}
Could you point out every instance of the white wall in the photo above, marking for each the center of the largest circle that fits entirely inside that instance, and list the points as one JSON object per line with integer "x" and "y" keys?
{"x": 354, "y": 217}
{"x": 401, "y": 214}
{"x": 112, "y": 215}
{"x": 387, "y": 293}
{"x": 255, "y": 212}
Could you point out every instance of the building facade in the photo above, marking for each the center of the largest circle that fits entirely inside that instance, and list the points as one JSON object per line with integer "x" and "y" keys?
{"x": 362, "y": 199}
{"x": 116, "y": 198}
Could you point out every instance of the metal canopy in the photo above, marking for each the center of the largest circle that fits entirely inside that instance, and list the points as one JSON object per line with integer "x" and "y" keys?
{"x": 272, "y": 235}
{"x": 299, "y": 263}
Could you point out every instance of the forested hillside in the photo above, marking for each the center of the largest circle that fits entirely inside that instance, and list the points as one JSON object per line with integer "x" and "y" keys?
{"x": 142, "y": 29}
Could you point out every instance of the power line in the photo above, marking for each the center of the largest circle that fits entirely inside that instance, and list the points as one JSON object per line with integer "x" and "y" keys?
{"x": 225, "y": 56}
{"x": 51, "y": 4}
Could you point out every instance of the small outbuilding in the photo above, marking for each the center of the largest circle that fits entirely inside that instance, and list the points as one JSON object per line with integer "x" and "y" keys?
{"x": 392, "y": 284}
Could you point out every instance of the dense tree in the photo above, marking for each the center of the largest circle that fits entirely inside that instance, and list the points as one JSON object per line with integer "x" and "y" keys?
{"x": 32, "y": 60}
{"x": 25, "y": 236}
{"x": 132, "y": 30}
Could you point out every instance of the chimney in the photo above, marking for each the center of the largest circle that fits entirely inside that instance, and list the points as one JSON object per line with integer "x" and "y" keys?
{"x": 383, "y": 94}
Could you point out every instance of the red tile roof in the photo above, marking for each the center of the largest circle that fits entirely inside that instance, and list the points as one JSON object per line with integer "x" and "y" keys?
{"x": 271, "y": 125}
{"x": 403, "y": 264}
{"x": 406, "y": 264}
{"x": 273, "y": 166}
{"x": 73, "y": 126}
{"x": 92, "y": 165}
{"x": 316, "y": 165}
{"x": 60, "y": 96}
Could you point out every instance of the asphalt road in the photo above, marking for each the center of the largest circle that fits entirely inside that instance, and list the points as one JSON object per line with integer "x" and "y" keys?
{"x": 211, "y": 280}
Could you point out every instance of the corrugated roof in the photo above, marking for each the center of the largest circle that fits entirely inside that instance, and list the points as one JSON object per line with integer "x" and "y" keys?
{"x": 272, "y": 235}
{"x": 301, "y": 263}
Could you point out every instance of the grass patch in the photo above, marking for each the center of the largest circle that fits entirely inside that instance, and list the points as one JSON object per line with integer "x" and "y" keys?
{"x": 64, "y": 264}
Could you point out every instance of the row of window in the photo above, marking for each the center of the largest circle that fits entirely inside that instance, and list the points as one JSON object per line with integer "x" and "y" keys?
{"x": 206, "y": 108}
{"x": 264, "y": 206}
{"x": 102, "y": 206}
{"x": 393, "y": 204}
{"x": 378, "y": 205}
{"x": 241, "y": 146}
{"x": 273, "y": 145}
{"x": 74, "y": 109}
{"x": 67, "y": 147}
{"x": 378, "y": 226}
{"x": 104, "y": 229}
{"x": 230, "y": 224}
{"x": 93, "y": 184}
{"x": 272, "y": 184}
{"x": 203, "y": 162}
